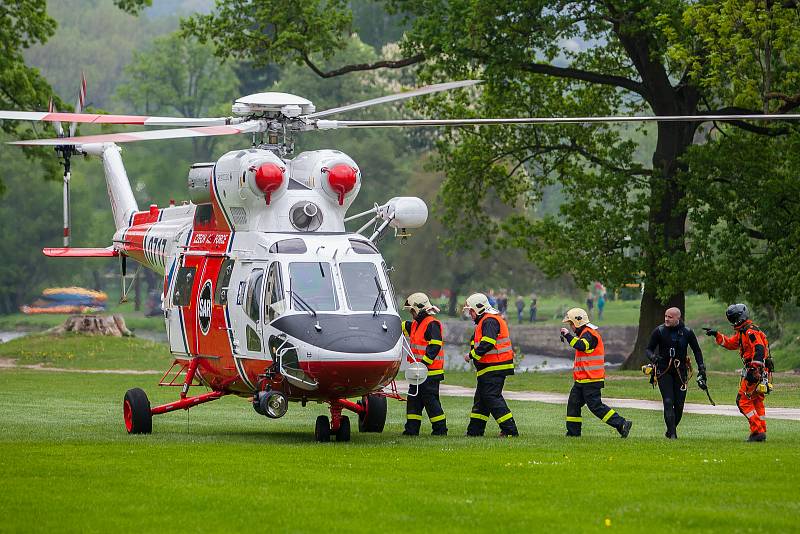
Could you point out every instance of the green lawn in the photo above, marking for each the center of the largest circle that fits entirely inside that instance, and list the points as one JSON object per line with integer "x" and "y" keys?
{"x": 67, "y": 464}
{"x": 78, "y": 351}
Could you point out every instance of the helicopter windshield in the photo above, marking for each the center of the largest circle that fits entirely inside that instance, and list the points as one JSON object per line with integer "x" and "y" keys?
{"x": 313, "y": 283}
{"x": 362, "y": 287}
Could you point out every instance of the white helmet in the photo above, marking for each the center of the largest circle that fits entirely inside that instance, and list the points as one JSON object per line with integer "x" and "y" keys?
{"x": 420, "y": 302}
{"x": 479, "y": 303}
{"x": 577, "y": 316}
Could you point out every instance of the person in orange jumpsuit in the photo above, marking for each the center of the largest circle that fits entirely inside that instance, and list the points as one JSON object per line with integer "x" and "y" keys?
{"x": 754, "y": 351}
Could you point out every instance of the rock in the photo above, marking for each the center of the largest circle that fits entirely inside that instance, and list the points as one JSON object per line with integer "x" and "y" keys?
{"x": 94, "y": 325}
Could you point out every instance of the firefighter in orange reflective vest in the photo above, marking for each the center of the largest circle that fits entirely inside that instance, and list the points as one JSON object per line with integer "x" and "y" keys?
{"x": 426, "y": 340}
{"x": 754, "y": 351}
{"x": 493, "y": 358}
{"x": 589, "y": 373}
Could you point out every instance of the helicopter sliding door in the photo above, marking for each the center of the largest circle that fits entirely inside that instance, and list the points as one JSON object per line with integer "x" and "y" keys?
{"x": 176, "y": 305}
{"x": 252, "y": 345}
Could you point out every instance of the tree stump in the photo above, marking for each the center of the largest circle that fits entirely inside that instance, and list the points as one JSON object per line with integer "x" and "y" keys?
{"x": 94, "y": 325}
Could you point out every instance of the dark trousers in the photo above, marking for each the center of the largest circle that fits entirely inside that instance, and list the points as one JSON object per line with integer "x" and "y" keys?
{"x": 589, "y": 394}
{"x": 489, "y": 401}
{"x": 427, "y": 398}
{"x": 670, "y": 384}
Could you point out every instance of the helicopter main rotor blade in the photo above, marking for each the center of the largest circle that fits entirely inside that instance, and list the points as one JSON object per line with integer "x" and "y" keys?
{"x": 95, "y": 118}
{"x": 176, "y": 133}
{"x": 428, "y": 89}
{"x": 80, "y": 104}
{"x": 332, "y": 125}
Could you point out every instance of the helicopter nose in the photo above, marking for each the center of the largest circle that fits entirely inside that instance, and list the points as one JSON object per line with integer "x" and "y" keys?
{"x": 349, "y": 333}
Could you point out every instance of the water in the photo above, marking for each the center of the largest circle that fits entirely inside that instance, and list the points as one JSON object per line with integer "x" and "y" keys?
{"x": 8, "y": 336}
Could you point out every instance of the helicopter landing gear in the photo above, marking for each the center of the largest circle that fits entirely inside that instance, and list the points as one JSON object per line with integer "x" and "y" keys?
{"x": 136, "y": 410}
{"x": 373, "y": 416}
{"x": 339, "y": 425}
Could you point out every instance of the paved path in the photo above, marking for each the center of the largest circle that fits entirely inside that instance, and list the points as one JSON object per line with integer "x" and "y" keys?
{"x": 792, "y": 414}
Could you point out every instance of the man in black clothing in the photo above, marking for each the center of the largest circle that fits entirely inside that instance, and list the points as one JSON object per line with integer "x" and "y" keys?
{"x": 671, "y": 365}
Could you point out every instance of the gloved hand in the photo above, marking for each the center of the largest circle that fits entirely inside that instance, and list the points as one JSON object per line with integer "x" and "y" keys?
{"x": 564, "y": 331}
{"x": 710, "y": 332}
{"x": 467, "y": 358}
{"x": 652, "y": 357}
{"x": 702, "y": 382}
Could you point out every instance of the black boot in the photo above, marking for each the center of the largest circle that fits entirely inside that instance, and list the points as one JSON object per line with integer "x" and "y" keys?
{"x": 625, "y": 429}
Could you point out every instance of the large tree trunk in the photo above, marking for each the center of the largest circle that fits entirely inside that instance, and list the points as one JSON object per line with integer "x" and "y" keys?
{"x": 666, "y": 229}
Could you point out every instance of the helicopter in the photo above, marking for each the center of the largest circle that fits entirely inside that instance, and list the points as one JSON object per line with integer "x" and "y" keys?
{"x": 266, "y": 295}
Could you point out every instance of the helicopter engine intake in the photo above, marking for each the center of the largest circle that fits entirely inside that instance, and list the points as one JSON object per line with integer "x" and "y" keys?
{"x": 341, "y": 179}
{"x": 268, "y": 178}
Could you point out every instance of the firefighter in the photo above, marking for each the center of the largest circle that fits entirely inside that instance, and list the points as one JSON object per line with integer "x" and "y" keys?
{"x": 668, "y": 351}
{"x": 588, "y": 371}
{"x": 757, "y": 364}
{"x": 493, "y": 357}
{"x": 426, "y": 340}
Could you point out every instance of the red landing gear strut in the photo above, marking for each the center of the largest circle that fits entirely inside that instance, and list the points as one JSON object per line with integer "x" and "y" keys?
{"x": 371, "y": 410}
{"x": 136, "y": 407}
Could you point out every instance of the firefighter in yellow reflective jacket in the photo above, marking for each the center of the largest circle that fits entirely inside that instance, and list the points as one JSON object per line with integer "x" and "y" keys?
{"x": 589, "y": 373}
{"x": 426, "y": 340}
{"x": 493, "y": 358}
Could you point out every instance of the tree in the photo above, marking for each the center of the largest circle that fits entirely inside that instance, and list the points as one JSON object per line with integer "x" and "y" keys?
{"x": 178, "y": 75}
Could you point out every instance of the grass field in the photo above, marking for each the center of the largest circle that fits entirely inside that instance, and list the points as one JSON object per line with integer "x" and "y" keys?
{"x": 67, "y": 464}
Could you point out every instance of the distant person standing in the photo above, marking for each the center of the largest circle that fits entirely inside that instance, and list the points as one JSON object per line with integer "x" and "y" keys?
{"x": 502, "y": 304}
{"x": 520, "y": 308}
{"x": 589, "y": 302}
{"x": 533, "y": 308}
{"x": 589, "y": 374}
{"x": 492, "y": 300}
{"x": 601, "y": 303}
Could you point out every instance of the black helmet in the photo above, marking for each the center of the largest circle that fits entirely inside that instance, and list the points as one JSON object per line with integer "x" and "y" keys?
{"x": 736, "y": 314}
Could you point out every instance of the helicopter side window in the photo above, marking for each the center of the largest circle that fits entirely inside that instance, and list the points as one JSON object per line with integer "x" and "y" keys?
{"x": 183, "y": 286}
{"x": 391, "y": 296}
{"x": 313, "y": 283}
{"x": 223, "y": 279}
{"x": 289, "y": 246}
{"x": 363, "y": 247}
{"x": 362, "y": 287}
{"x": 253, "y": 302}
{"x": 275, "y": 303}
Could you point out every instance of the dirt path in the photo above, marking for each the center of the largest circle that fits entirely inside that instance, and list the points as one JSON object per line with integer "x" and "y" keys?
{"x": 11, "y": 364}
{"x": 792, "y": 414}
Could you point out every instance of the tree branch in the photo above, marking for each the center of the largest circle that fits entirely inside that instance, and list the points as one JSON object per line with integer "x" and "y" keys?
{"x": 363, "y": 66}
{"x": 586, "y": 76}
{"x": 790, "y": 102}
{"x": 761, "y": 130}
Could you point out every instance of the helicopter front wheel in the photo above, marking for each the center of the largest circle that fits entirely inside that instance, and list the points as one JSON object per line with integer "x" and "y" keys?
{"x": 136, "y": 411}
{"x": 373, "y": 418}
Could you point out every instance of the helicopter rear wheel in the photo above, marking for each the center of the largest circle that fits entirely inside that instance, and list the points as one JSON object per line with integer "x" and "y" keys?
{"x": 343, "y": 434}
{"x": 136, "y": 411}
{"x": 373, "y": 418}
{"x": 322, "y": 430}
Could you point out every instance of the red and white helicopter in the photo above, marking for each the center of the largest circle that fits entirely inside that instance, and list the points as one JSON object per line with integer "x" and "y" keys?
{"x": 266, "y": 295}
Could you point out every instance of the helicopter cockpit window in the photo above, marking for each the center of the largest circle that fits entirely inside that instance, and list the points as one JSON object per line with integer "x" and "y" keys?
{"x": 391, "y": 296}
{"x": 363, "y": 288}
{"x": 363, "y": 247}
{"x": 312, "y": 285}
{"x": 253, "y": 302}
{"x": 275, "y": 302}
{"x": 289, "y": 246}
{"x": 183, "y": 286}
{"x": 223, "y": 279}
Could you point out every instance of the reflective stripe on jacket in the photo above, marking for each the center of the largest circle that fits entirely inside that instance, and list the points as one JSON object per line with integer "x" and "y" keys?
{"x": 501, "y": 356}
{"x": 589, "y": 365}
{"x": 419, "y": 346}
